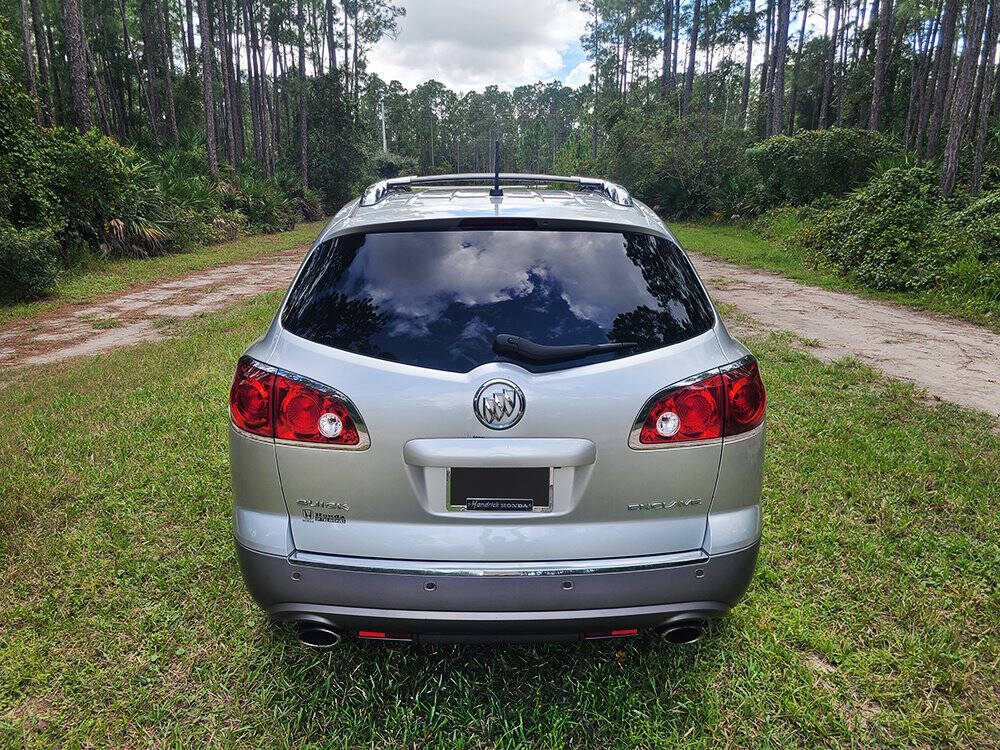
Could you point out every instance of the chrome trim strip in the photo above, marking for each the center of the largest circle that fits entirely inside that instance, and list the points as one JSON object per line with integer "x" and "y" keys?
{"x": 500, "y": 569}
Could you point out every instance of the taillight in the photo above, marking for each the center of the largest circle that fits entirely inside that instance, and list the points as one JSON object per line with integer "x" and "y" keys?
{"x": 690, "y": 412}
{"x": 746, "y": 400}
{"x": 307, "y": 414}
{"x": 279, "y": 405}
{"x": 715, "y": 406}
{"x": 250, "y": 398}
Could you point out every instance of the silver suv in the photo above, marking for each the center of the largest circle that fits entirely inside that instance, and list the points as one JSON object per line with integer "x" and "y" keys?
{"x": 508, "y": 413}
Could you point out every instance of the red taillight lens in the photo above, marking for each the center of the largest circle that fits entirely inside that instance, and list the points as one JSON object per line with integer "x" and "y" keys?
{"x": 726, "y": 404}
{"x": 746, "y": 400}
{"x": 305, "y": 414}
{"x": 691, "y": 412}
{"x": 275, "y": 406}
{"x": 250, "y": 398}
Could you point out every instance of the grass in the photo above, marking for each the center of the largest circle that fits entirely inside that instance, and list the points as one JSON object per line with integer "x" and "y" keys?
{"x": 872, "y": 620}
{"x": 742, "y": 246}
{"x": 100, "y": 276}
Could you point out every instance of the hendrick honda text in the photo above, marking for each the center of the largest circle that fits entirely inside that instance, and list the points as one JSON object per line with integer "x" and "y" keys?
{"x": 505, "y": 412}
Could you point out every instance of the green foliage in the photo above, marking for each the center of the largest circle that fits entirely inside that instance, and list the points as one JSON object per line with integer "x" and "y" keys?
{"x": 265, "y": 207}
{"x": 339, "y": 151}
{"x": 980, "y": 220}
{"x": 890, "y": 234}
{"x": 27, "y": 262}
{"x": 672, "y": 165}
{"x": 388, "y": 165}
{"x": 801, "y": 168}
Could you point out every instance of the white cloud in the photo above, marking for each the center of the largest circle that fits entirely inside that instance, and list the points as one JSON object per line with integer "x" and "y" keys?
{"x": 470, "y": 45}
{"x": 580, "y": 75}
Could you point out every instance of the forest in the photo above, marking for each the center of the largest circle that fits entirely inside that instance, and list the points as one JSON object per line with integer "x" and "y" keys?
{"x": 862, "y": 132}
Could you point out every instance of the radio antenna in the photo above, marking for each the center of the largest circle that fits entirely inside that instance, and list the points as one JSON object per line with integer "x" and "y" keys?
{"x": 496, "y": 192}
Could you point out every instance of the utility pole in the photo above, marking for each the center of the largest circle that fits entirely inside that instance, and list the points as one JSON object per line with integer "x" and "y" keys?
{"x": 381, "y": 102}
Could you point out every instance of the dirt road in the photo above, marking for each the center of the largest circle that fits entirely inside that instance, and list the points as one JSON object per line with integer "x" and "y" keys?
{"x": 953, "y": 360}
{"x": 141, "y": 314}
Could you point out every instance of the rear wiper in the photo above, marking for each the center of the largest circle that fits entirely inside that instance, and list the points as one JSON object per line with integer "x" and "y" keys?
{"x": 528, "y": 351}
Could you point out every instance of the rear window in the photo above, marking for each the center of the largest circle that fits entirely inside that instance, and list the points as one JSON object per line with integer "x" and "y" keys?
{"x": 438, "y": 298}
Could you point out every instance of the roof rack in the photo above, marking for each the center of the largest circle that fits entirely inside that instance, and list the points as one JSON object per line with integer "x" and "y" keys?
{"x": 379, "y": 190}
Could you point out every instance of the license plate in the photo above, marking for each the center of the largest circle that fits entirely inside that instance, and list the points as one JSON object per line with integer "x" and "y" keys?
{"x": 500, "y": 490}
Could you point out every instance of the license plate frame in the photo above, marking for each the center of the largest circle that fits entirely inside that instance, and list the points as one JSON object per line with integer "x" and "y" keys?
{"x": 500, "y": 491}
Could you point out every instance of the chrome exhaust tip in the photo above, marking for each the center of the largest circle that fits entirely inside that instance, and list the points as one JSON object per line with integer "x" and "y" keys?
{"x": 316, "y": 635}
{"x": 681, "y": 632}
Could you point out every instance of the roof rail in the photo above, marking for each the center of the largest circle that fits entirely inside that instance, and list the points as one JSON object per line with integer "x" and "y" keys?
{"x": 379, "y": 190}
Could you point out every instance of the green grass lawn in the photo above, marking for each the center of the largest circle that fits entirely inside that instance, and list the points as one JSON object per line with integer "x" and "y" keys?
{"x": 104, "y": 276}
{"x": 742, "y": 246}
{"x": 872, "y": 621}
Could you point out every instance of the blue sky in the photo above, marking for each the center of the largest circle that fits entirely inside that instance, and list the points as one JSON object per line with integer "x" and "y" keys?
{"x": 470, "y": 44}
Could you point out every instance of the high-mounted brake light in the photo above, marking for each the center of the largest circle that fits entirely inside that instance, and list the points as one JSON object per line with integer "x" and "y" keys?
{"x": 726, "y": 403}
{"x": 275, "y": 404}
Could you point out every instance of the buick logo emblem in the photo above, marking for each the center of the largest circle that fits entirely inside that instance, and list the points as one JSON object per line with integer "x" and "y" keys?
{"x": 498, "y": 404}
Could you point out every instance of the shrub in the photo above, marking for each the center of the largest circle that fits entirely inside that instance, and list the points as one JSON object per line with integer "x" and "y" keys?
{"x": 669, "y": 164}
{"x": 265, "y": 207}
{"x": 890, "y": 234}
{"x": 980, "y": 221}
{"x": 27, "y": 262}
{"x": 801, "y": 168}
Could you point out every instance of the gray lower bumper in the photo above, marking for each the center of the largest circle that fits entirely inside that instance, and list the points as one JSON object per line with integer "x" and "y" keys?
{"x": 461, "y": 604}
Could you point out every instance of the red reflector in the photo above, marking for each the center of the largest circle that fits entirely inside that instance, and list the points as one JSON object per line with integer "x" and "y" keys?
{"x": 620, "y": 633}
{"x": 370, "y": 634}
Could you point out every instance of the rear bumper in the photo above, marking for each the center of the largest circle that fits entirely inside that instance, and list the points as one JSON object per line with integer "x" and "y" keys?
{"x": 456, "y": 604}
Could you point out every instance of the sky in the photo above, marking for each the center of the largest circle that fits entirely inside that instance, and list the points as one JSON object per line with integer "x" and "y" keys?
{"x": 471, "y": 44}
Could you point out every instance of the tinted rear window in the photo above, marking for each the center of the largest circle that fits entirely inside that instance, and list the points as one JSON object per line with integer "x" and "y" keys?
{"x": 438, "y": 298}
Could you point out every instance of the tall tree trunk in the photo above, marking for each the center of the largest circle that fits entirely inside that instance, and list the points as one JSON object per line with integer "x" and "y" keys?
{"x": 929, "y": 82}
{"x": 147, "y": 25}
{"x": 228, "y": 90}
{"x": 303, "y": 123}
{"x": 793, "y": 103}
{"x": 668, "y": 35}
{"x": 881, "y": 63}
{"x": 677, "y": 40}
{"x": 748, "y": 68}
{"x": 943, "y": 76}
{"x": 824, "y": 102}
{"x": 42, "y": 50}
{"x": 989, "y": 73}
{"x": 963, "y": 93}
{"x": 255, "y": 126}
{"x": 168, "y": 78}
{"x": 347, "y": 68}
{"x": 189, "y": 11}
{"x": 597, "y": 78}
{"x": 59, "y": 107}
{"x": 777, "y": 116}
{"x": 208, "y": 92}
{"x": 102, "y": 104}
{"x": 72, "y": 23}
{"x": 331, "y": 35}
{"x": 764, "y": 103}
{"x": 29, "y": 60}
{"x": 986, "y": 60}
{"x": 692, "y": 51}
